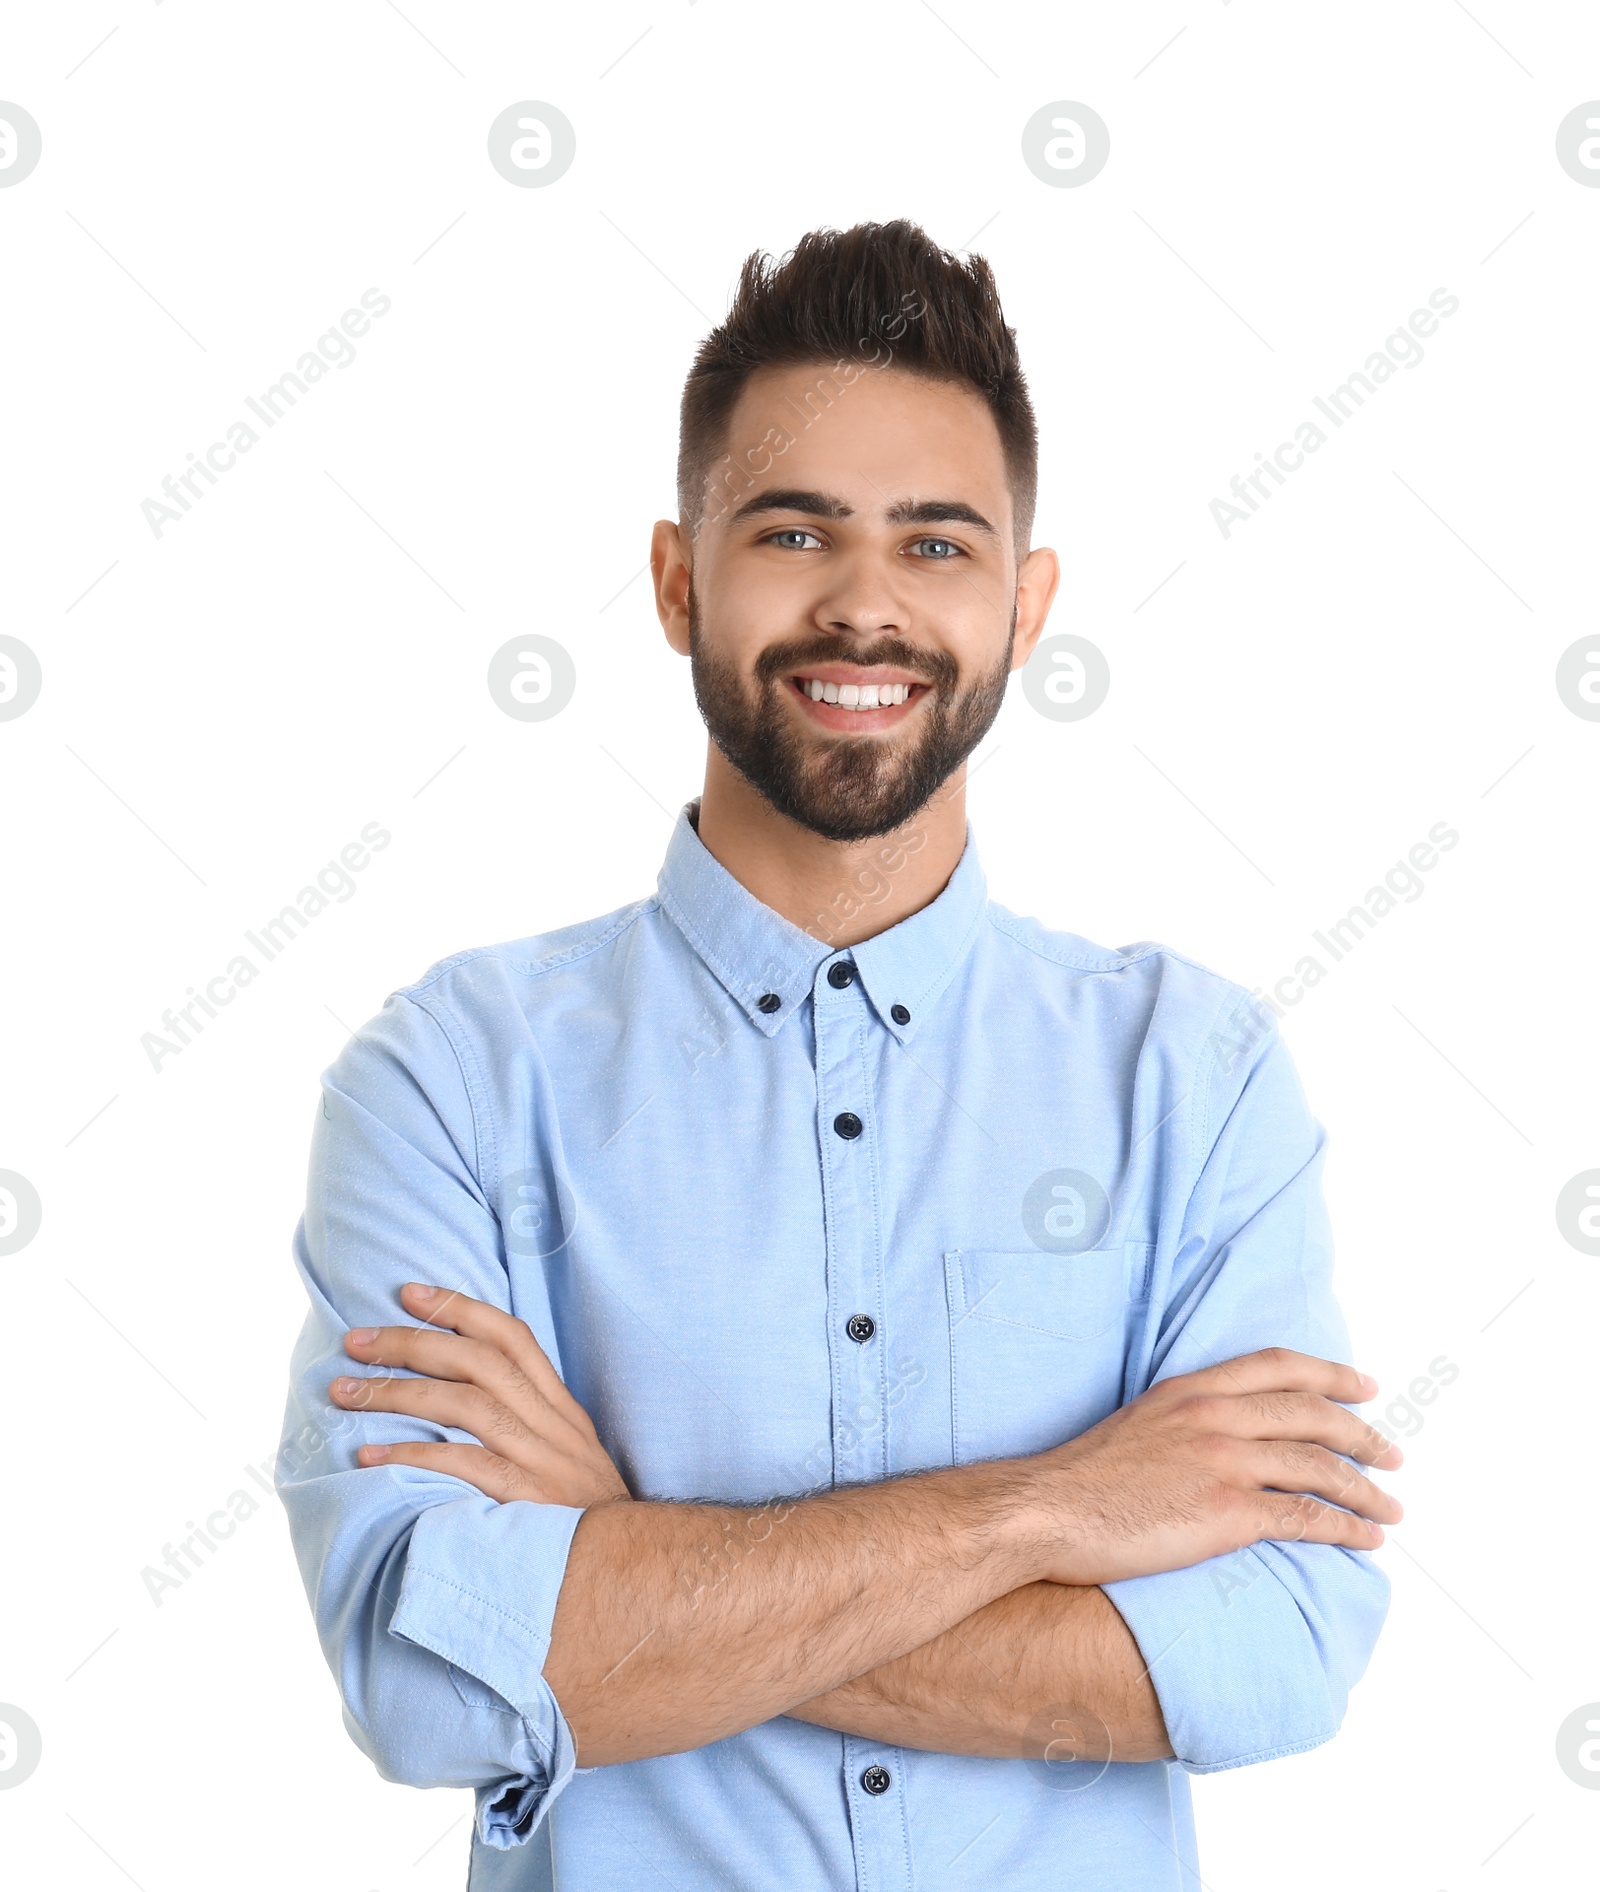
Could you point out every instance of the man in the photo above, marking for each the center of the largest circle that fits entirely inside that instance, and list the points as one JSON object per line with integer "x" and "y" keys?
{"x": 814, "y": 1380}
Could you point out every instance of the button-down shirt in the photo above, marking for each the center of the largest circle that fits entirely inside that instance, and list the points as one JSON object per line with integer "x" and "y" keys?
{"x": 787, "y": 1217}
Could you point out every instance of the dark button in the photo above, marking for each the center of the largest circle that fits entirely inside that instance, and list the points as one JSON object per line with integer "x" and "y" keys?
{"x": 900, "y": 1015}
{"x": 848, "y": 1124}
{"x": 769, "y": 1002}
{"x": 840, "y": 974}
{"x": 876, "y": 1779}
{"x": 861, "y": 1327}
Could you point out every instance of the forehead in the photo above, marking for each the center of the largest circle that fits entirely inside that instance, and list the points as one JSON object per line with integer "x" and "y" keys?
{"x": 881, "y": 436}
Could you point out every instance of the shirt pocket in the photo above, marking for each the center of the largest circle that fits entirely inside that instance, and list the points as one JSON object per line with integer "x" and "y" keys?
{"x": 1038, "y": 1343}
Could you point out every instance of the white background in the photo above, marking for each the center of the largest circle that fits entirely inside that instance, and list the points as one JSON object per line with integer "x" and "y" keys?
{"x": 225, "y": 706}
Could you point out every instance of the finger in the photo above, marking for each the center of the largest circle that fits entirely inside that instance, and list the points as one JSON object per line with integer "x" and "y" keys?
{"x": 447, "y": 1356}
{"x": 478, "y": 1320}
{"x": 442, "y": 1402}
{"x": 496, "y": 1477}
{"x": 1308, "y": 1521}
{"x": 1310, "y": 1468}
{"x": 1281, "y": 1369}
{"x": 441, "y": 1355}
{"x": 1306, "y": 1417}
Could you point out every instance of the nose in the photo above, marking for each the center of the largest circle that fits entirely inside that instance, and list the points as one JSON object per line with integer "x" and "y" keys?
{"x": 862, "y": 600}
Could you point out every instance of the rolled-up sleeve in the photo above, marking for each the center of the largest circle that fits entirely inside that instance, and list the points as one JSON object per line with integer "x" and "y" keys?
{"x": 1253, "y": 1655}
{"x": 433, "y": 1602}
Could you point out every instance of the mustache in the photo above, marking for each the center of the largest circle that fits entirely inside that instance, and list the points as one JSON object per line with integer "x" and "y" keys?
{"x": 935, "y": 667}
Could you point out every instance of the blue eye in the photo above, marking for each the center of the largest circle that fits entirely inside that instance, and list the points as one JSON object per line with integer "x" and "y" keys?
{"x": 949, "y": 545}
{"x": 792, "y": 532}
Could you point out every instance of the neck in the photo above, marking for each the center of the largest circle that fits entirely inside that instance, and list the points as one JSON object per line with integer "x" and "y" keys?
{"x": 840, "y": 892}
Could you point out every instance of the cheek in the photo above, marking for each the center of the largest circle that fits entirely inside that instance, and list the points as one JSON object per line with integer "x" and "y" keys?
{"x": 967, "y": 624}
{"x": 987, "y": 662}
{"x": 742, "y": 608}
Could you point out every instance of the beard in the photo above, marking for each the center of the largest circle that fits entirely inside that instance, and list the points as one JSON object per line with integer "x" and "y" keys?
{"x": 842, "y": 787}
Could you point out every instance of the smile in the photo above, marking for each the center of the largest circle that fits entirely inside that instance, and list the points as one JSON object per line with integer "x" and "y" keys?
{"x": 839, "y": 697}
{"x": 856, "y": 696}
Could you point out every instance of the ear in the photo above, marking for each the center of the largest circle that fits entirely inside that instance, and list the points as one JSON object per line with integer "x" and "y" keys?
{"x": 1038, "y": 577}
{"x": 669, "y": 574}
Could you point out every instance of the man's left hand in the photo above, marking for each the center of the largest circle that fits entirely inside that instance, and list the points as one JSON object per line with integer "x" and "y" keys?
{"x": 484, "y": 1373}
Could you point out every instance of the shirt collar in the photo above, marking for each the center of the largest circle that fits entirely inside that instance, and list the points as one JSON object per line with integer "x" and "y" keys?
{"x": 757, "y": 954}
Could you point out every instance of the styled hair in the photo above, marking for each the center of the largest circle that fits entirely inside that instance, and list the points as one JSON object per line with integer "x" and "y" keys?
{"x": 851, "y": 300}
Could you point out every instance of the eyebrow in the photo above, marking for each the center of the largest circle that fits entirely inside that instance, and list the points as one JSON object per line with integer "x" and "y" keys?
{"x": 792, "y": 499}
{"x": 904, "y": 512}
{"x": 932, "y": 512}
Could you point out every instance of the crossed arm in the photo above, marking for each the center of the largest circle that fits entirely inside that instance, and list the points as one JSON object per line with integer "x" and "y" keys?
{"x": 944, "y": 1610}
{"x": 975, "y": 1688}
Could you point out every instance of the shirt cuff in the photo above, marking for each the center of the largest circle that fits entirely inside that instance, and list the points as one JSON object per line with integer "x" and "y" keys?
{"x": 1240, "y": 1672}
{"x": 480, "y": 1590}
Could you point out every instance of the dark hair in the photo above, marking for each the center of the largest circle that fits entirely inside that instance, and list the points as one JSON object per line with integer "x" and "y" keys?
{"x": 848, "y": 297}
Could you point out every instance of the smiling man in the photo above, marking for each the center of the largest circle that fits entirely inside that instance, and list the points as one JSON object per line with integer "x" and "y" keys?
{"x": 813, "y": 1380}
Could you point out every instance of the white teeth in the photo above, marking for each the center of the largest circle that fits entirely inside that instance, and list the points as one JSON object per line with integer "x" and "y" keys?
{"x": 857, "y": 696}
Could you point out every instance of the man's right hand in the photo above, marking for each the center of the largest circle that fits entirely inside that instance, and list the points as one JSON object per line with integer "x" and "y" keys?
{"x": 1208, "y": 1462}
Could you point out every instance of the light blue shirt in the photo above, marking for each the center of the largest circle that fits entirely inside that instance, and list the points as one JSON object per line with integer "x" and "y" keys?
{"x": 1074, "y": 1171}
